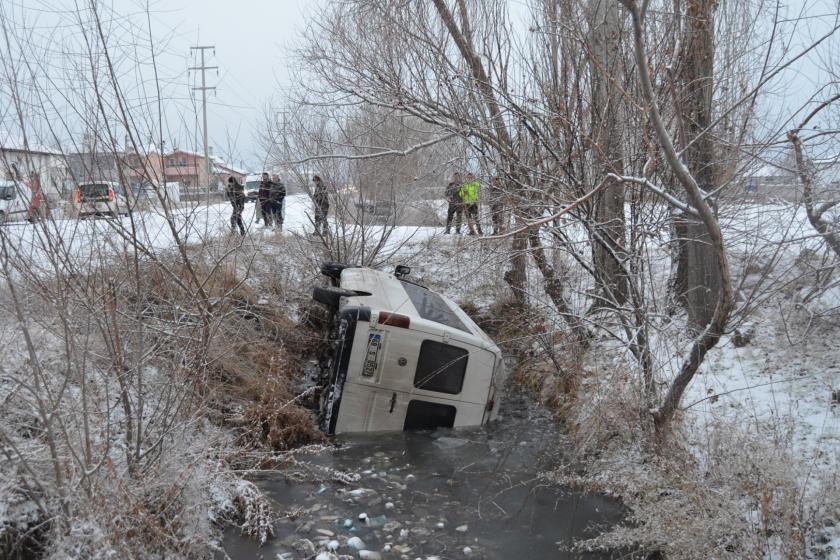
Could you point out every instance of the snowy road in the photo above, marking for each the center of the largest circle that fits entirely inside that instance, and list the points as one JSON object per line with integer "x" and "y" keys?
{"x": 50, "y": 246}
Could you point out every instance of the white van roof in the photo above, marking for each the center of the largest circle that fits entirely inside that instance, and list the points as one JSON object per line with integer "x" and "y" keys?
{"x": 389, "y": 293}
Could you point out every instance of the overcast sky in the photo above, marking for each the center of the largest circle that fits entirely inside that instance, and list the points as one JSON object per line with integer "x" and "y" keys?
{"x": 254, "y": 46}
{"x": 254, "y": 42}
{"x": 49, "y": 40}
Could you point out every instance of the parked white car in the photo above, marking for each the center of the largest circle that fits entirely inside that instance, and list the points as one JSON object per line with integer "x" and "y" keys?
{"x": 400, "y": 356}
{"x": 102, "y": 198}
{"x": 252, "y": 187}
{"x": 15, "y": 201}
{"x": 147, "y": 195}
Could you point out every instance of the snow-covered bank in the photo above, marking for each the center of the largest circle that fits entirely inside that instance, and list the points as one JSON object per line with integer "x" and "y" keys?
{"x": 751, "y": 471}
{"x": 131, "y": 387}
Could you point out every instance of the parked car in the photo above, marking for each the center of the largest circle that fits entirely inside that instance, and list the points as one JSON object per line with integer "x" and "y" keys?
{"x": 14, "y": 201}
{"x": 400, "y": 356}
{"x": 252, "y": 187}
{"x": 147, "y": 194}
{"x": 102, "y": 198}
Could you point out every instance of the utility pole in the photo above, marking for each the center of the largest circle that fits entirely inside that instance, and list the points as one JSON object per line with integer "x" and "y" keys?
{"x": 204, "y": 89}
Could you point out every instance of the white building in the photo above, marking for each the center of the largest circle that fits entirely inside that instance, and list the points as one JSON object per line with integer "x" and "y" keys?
{"x": 35, "y": 166}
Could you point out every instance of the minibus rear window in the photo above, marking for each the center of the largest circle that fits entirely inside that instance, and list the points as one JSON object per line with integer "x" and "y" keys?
{"x": 440, "y": 367}
{"x": 431, "y": 307}
{"x": 422, "y": 415}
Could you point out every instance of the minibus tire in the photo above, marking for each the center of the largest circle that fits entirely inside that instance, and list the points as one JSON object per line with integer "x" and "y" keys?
{"x": 330, "y": 295}
{"x": 333, "y": 269}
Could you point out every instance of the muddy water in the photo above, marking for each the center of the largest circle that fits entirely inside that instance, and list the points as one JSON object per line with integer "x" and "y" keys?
{"x": 445, "y": 493}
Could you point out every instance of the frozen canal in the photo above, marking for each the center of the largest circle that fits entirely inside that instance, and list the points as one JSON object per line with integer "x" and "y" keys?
{"x": 443, "y": 494}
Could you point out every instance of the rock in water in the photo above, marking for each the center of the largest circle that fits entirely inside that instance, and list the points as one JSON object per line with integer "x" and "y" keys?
{"x": 369, "y": 555}
{"x": 355, "y": 543}
{"x": 449, "y": 442}
{"x": 743, "y": 335}
{"x": 467, "y": 551}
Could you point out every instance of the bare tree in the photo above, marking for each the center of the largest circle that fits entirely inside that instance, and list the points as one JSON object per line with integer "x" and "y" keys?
{"x": 606, "y": 61}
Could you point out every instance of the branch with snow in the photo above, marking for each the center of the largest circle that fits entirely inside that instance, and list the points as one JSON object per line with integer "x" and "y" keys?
{"x": 382, "y": 153}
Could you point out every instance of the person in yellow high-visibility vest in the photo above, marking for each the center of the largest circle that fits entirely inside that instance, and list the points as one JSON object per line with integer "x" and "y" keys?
{"x": 469, "y": 196}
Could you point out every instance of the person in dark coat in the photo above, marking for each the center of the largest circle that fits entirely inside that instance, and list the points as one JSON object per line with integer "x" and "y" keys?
{"x": 456, "y": 205}
{"x": 276, "y": 198}
{"x": 235, "y": 192}
{"x": 263, "y": 195}
{"x": 321, "y": 199}
{"x": 497, "y": 207}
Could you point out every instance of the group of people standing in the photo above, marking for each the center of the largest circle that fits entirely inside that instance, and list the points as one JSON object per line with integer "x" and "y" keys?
{"x": 270, "y": 198}
{"x": 463, "y": 196}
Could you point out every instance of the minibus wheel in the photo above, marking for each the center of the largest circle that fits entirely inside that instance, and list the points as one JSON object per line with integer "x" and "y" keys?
{"x": 333, "y": 269}
{"x": 330, "y": 295}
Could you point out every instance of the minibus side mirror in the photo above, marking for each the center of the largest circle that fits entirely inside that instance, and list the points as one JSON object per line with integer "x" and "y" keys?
{"x": 402, "y": 270}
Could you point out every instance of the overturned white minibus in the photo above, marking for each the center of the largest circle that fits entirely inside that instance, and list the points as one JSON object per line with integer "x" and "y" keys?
{"x": 400, "y": 356}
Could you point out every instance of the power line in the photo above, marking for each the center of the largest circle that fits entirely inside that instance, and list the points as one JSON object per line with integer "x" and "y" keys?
{"x": 204, "y": 88}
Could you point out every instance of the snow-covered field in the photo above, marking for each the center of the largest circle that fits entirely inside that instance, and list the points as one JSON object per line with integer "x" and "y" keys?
{"x": 89, "y": 240}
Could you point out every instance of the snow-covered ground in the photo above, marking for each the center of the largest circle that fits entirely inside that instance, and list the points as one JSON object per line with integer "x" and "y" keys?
{"x": 89, "y": 240}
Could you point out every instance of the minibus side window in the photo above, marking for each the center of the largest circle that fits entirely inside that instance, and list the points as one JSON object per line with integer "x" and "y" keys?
{"x": 440, "y": 367}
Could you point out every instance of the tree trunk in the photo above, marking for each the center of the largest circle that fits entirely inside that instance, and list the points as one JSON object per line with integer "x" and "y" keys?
{"x": 700, "y": 275}
{"x": 608, "y": 243}
{"x": 711, "y": 334}
{"x": 806, "y": 177}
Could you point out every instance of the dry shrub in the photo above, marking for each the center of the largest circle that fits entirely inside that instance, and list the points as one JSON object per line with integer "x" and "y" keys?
{"x": 257, "y": 381}
{"x": 510, "y": 326}
{"x": 189, "y": 355}
{"x": 734, "y": 494}
{"x": 168, "y": 512}
{"x": 607, "y": 406}
{"x": 173, "y": 281}
{"x": 23, "y": 528}
{"x": 254, "y": 511}
{"x": 260, "y": 376}
{"x": 740, "y": 501}
{"x": 252, "y": 372}
{"x": 550, "y": 362}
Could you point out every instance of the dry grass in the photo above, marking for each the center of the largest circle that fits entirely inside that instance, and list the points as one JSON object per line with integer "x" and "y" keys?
{"x": 254, "y": 356}
{"x": 259, "y": 377}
